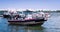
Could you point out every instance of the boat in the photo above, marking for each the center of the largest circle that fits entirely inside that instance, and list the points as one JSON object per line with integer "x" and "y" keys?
{"x": 9, "y": 14}
{"x": 6, "y": 14}
{"x": 29, "y": 19}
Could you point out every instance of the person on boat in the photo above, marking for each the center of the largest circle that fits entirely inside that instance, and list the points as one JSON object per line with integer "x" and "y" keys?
{"x": 16, "y": 17}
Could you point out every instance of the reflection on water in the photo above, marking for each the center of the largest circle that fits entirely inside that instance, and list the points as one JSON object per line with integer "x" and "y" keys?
{"x": 18, "y": 28}
{"x": 52, "y": 25}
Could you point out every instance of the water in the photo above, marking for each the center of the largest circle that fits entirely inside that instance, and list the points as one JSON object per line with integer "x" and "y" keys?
{"x": 52, "y": 25}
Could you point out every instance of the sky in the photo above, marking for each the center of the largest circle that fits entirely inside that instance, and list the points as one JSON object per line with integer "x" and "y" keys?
{"x": 30, "y": 4}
